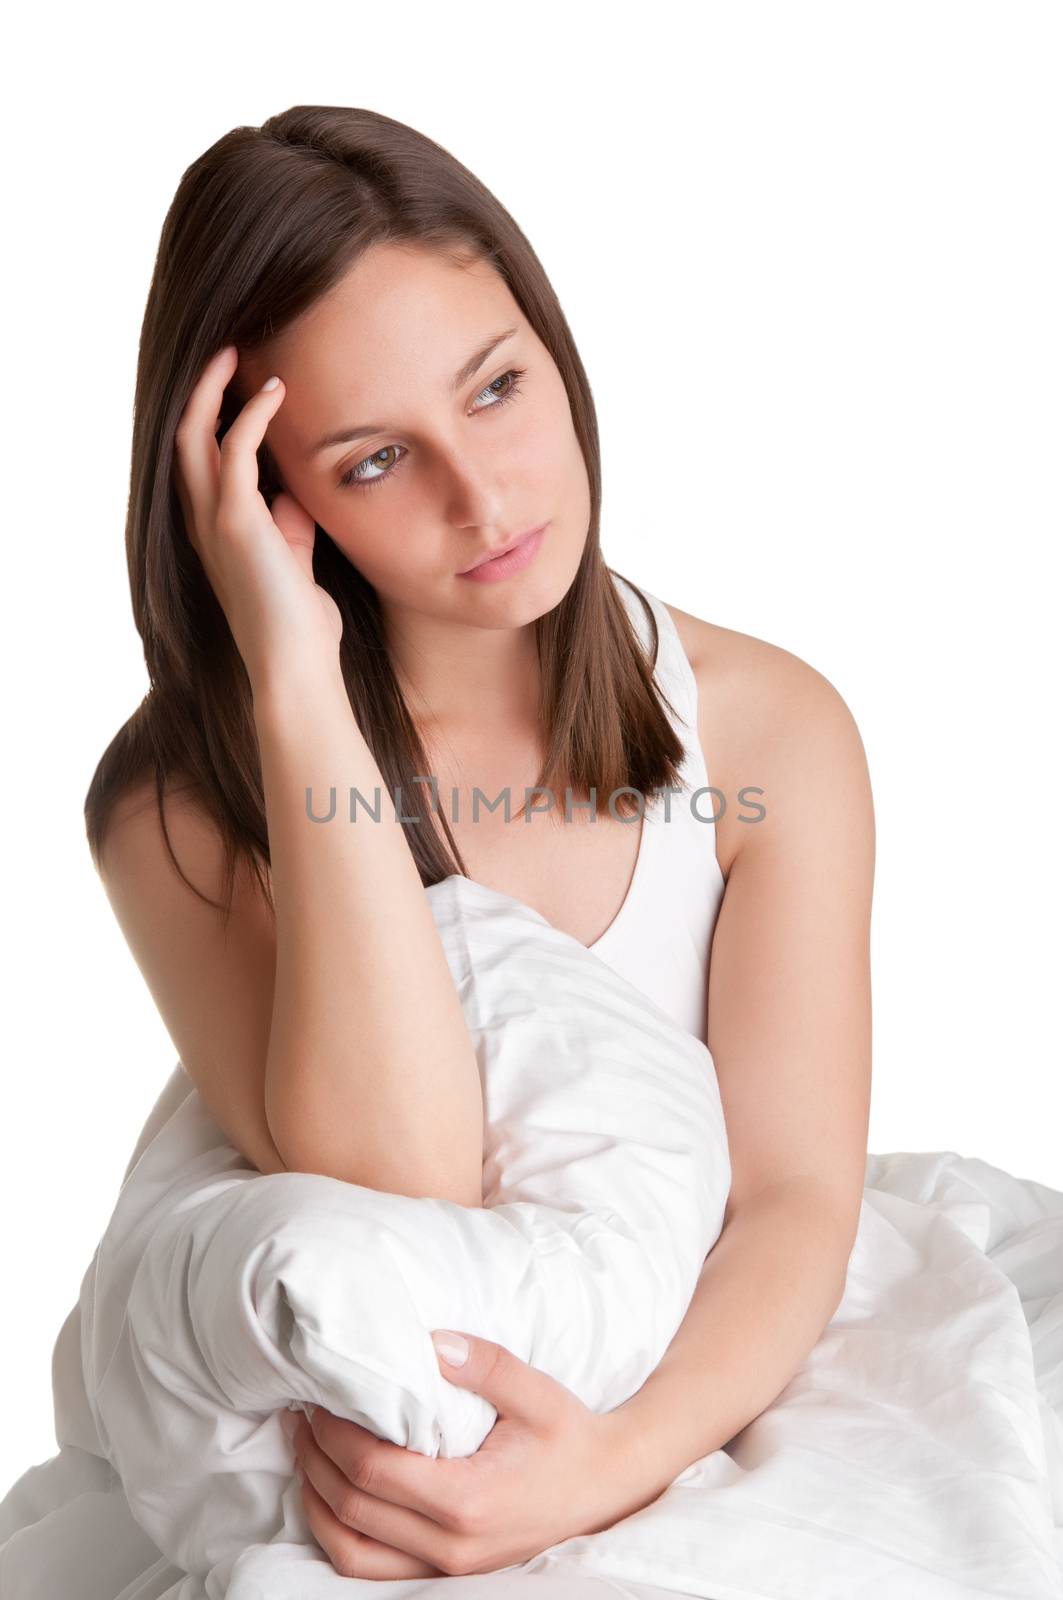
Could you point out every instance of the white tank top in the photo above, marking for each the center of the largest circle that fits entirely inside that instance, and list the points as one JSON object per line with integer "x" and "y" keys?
{"x": 661, "y": 937}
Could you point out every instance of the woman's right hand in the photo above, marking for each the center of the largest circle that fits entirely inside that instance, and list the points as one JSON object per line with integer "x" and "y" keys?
{"x": 258, "y": 559}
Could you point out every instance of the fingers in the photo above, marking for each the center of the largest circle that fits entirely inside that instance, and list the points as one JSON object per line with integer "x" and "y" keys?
{"x": 238, "y": 451}
{"x": 206, "y": 472}
{"x": 333, "y": 1508}
{"x": 437, "y": 1488}
{"x": 195, "y": 443}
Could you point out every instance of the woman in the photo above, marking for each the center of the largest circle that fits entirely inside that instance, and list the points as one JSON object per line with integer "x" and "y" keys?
{"x": 344, "y": 301}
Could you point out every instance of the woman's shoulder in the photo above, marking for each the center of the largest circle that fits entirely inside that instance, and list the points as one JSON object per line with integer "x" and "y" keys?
{"x": 126, "y": 795}
{"x": 127, "y": 806}
{"x": 741, "y": 666}
{"x": 768, "y": 720}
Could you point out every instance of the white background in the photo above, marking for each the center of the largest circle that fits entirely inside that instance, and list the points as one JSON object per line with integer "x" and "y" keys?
{"x": 811, "y": 256}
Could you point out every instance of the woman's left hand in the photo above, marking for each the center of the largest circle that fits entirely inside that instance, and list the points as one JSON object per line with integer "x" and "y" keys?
{"x": 549, "y": 1469}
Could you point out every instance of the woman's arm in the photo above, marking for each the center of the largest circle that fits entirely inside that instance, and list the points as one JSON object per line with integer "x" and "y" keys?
{"x": 371, "y": 1074}
{"x": 790, "y": 1034}
{"x": 770, "y": 1285}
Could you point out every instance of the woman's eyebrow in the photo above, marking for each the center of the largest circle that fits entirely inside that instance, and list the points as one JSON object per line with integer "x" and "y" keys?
{"x": 467, "y": 370}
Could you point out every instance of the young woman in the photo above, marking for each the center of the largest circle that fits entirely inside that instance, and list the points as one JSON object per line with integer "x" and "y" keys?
{"x": 356, "y": 392}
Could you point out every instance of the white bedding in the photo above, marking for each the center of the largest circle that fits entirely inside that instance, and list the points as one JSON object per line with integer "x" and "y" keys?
{"x": 917, "y": 1452}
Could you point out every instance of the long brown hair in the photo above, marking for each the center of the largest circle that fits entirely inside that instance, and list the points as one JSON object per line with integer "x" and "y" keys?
{"x": 262, "y": 224}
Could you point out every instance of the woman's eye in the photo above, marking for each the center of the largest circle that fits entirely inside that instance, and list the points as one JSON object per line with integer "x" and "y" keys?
{"x": 356, "y": 476}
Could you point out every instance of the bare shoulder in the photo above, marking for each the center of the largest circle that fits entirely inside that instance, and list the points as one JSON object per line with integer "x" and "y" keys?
{"x": 751, "y": 675}
{"x": 771, "y": 726}
{"x": 135, "y": 842}
{"x": 168, "y": 885}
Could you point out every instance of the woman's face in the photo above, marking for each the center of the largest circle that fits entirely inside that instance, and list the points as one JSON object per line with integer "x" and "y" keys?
{"x": 452, "y": 462}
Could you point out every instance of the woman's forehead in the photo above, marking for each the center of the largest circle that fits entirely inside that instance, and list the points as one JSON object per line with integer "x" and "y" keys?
{"x": 379, "y": 341}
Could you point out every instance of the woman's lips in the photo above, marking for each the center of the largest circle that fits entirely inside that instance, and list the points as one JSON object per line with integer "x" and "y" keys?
{"x": 513, "y": 561}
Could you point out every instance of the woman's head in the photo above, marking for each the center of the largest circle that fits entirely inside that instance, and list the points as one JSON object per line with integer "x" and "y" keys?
{"x": 362, "y": 262}
{"x": 449, "y": 462}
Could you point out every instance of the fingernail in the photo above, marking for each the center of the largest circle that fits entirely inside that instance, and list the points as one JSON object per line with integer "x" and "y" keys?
{"x": 289, "y": 1422}
{"x": 452, "y": 1347}
{"x": 271, "y": 383}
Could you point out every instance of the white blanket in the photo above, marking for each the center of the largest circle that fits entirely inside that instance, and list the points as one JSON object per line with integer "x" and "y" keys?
{"x": 917, "y": 1452}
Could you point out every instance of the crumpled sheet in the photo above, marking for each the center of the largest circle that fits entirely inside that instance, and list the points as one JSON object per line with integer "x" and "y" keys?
{"x": 917, "y": 1452}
